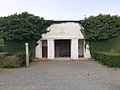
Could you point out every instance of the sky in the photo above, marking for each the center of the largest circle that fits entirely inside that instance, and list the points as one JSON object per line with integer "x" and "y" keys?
{"x": 60, "y": 9}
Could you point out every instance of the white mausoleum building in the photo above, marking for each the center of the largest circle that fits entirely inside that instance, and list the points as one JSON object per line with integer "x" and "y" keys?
{"x": 63, "y": 40}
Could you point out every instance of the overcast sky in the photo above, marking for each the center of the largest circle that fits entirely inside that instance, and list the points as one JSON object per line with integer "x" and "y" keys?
{"x": 60, "y": 9}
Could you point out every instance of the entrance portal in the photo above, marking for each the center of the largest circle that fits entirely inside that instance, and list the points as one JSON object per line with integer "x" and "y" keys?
{"x": 62, "y": 48}
{"x": 44, "y": 48}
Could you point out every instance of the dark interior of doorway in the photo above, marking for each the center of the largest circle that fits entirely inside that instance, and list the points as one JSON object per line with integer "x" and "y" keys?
{"x": 62, "y": 48}
{"x": 44, "y": 48}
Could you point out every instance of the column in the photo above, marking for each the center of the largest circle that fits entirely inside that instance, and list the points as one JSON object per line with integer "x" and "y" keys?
{"x": 51, "y": 54}
{"x": 39, "y": 50}
{"x": 74, "y": 49}
{"x": 86, "y": 50}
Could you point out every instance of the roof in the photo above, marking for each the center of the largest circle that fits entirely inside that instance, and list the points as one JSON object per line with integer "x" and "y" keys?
{"x": 64, "y": 30}
{"x": 64, "y": 21}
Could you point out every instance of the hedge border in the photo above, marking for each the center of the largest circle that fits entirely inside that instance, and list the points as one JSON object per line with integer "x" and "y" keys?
{"x": 107, "y": 58}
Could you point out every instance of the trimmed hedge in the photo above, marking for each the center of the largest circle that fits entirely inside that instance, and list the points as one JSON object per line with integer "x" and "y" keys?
{"x": 4, "y": 63}
{"x": 110, "y": 45}
{"x": 107, "y": 58}
{"x": 1, "y": 48}
{"x": 21, "y": 56}
{"x": 16, "y": 60}
{"x": 15, "y": 46}
{"x": 101, "y": 27}
{"x": 1, "y": 41}
{"x": 13, "y": 61}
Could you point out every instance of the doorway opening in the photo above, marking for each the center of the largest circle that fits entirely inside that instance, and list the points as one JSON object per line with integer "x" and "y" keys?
{"x": 44, "y": 48}
{"x": 62, "y": 48}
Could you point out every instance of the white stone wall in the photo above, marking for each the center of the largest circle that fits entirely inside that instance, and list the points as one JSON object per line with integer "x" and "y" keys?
{"x": 68, "y": 30}
{"x": 61, "y": 31}
{"x": 38, "y": 53}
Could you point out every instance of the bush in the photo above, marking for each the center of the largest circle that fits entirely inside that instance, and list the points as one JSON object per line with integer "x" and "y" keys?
{"x": 15, "y": 46}
{"x": 22, "y": 56}
{"x": 13, "y": 61}
{"x": 1, "y": 41}
{"x": 23, "y": 26}
{"x": 10, "y": 64}
{"x": 101, "y": 27}
{"x": 1, "y": 48}
{"x": 110, "y": 45}
{"x": 107, "y": 58}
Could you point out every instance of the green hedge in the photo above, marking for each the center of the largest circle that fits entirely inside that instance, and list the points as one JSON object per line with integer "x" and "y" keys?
{"x": 110, "y": 45}
{"x": 13, "y": 61}
{"x": 15, "y": 46}
{"x": 107, "y": 58}
{"x": 101, "y": 27}
{"x": 1, "y": 41}
{"x": 1, "y": 48}
{"x": 21, "y": 56}
{"x": 10, "y": 63}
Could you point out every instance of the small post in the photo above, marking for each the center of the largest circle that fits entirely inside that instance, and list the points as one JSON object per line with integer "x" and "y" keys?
{"x": 27, "y": 55}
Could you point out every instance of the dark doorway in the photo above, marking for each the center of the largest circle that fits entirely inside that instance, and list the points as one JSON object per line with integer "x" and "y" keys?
{"x": 62, "y": 48}
{"x": 44, "y": 48}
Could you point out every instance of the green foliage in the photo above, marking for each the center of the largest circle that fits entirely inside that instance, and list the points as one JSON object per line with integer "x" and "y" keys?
{"x": 1, "y": 41}
{"x": 23, "y": 26}
{"x": 18, "y": 48}
{"x": 10, "y": 64}
{"x": 107, "y": 51}
{"x": 101, "y": 27}
{"x": 21, "y": 56}
{"x": 1, "y": 48}
{"x": 31, "y": 55}
{"x": 18, "y": 29}
{"x": 110, "y": 45}
{"x": 107, "y": 58}
{"x": 13, "y": 61}
{"x": 103, "y": 32}
{"x": 15, "y": 46}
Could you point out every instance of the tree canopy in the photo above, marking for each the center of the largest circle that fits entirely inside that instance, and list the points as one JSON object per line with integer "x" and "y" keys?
{"x": 101, "y": 27}
{"x": 23, "y": 26}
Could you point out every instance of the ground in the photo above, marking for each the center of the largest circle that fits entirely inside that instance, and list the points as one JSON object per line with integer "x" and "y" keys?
{"x": 61, "y": 75}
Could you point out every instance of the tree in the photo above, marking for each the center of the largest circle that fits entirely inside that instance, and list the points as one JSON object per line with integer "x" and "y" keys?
{"x": 20, "y": 28}
{"x": 23, "y": 27}
{"x": 101, "y": 27}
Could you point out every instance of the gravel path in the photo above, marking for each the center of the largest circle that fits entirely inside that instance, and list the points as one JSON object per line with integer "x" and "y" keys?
{"x": 61, "y": 75}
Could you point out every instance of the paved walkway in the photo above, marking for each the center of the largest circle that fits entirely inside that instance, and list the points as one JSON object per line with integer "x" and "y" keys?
{"x": 61, "y": 75}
